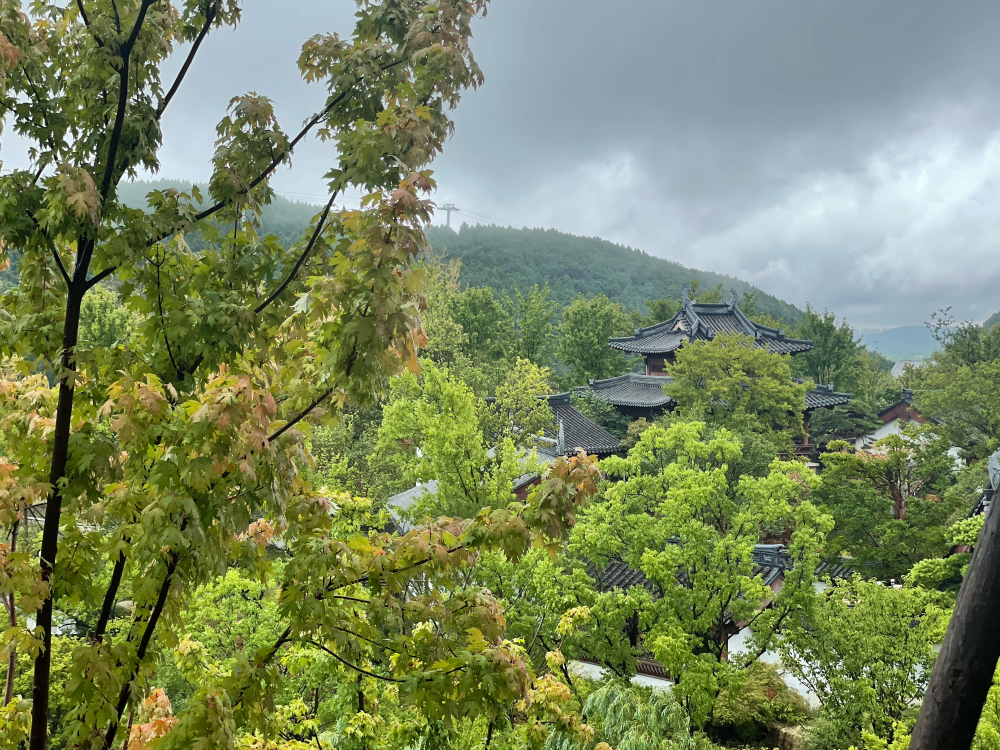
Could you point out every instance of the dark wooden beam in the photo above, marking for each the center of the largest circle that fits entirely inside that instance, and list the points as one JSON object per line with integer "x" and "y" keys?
{"x": 964, "y": 669}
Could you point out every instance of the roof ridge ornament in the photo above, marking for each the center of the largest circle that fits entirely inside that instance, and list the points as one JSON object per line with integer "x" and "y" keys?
{"x": 734, "y": 298}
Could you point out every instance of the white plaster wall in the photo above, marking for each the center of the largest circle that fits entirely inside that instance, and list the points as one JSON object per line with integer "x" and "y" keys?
{"x": 594, "y": 672}
{"x": 738, "y": 644}
{"x": 889, "y": 428}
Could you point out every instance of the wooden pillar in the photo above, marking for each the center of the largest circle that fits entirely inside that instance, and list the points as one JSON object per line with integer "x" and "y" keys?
{"x": 964, "y": 669}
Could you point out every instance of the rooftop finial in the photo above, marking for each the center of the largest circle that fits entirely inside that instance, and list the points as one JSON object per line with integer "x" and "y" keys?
{"x": 686, "y": 295}
{"x": 734, "y": 297}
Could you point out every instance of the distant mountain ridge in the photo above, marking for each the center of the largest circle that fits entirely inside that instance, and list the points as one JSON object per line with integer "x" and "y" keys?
{"x": 504, "y": 259}
{"x": 904, "y": 342}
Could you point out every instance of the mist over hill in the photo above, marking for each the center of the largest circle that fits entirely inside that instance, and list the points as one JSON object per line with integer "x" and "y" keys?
{"x": 904, "y": 342}
{"x": 507, "y": 258}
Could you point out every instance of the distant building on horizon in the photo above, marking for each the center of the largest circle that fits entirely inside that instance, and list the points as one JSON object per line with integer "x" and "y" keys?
{"x": 900, "y": 367}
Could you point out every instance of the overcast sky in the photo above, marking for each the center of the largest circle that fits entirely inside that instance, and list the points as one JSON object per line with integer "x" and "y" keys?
{"x": 841, "y": 153}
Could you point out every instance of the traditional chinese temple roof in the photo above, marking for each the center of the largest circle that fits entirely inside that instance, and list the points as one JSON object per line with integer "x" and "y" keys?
{"x": 573, "y": 430}
{"x": 906, "y": 402}
{"x": 634, "y": 390}
{"x": 702, "y": 321}
{"x": 986, "y": 498}
{"x": 823, "y": 396}
{"x": 770, "y": 562}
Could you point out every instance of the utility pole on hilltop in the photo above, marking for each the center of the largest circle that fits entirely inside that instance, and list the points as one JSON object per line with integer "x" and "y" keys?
{"x": 448, "y": 208}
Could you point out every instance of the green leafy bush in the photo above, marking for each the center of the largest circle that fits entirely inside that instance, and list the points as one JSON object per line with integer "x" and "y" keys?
{"x": 754, "y": 701}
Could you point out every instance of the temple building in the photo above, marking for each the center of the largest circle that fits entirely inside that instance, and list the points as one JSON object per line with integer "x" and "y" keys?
{"x": 641, "y": 396}
{"x": 701, "y": 321}
{"x": 634, "y": 395}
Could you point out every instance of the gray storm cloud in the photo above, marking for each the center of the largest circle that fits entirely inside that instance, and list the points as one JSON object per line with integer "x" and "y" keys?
{"x": 843, "y": 153}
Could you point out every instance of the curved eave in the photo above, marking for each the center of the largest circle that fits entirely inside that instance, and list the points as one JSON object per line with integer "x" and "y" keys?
{"x": 640, "y": 347}
{"x": 827, "y": 402}
{"x": 638, "y": 403}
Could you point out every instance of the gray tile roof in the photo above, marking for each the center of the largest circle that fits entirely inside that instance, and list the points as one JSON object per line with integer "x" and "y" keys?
{"x": 577, "y": 430}
{"x": 651, "y": 341}
{"x": 835, "y": 570}
{"x": 634, "y": 390}
{"x": 770, "y": 562}
{"x": 402, "y": 501}
{"x": 824, "y": 396}
{"x": 906, "y": 398}
{"x": 702, "y": 321}
{"x": 986, "y": 498}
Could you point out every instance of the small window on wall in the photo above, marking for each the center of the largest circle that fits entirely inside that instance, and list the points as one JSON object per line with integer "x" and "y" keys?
{"x": 655, "y": 366}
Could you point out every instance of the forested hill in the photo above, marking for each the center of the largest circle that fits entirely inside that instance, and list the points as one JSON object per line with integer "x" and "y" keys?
{"x": 505, "y": 258}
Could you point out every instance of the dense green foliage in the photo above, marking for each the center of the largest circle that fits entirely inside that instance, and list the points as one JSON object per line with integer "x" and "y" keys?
{"x": 891, "y": 503}
{"x": 586, "y": 326}
{"x": 679, "y": 509}
{"x": 731, "y": 382}
{"x": 866, "y": 651}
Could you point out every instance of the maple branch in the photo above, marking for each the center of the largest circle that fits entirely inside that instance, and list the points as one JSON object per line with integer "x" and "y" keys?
{"x": 109, "y": 598}
{"x": 86, "y": 22}
{"x": 302, "y": 415}
{"x": 116, "y": 132}
{"x": 100, "y": 277}
{"x": 262, "y": 662}
{"x": 140, "y": 654}
{"x": 53, "y": 150}
{"x": 352, "y": 666}
{"x": 62, "y": 268}
{"x": 118, "y": 20}
{"x": 163, "y": 323}
{"x": 367, "y": 576}
{"x": 52, "y": 247}
{"x": 278, "y": 158}
{"x": 302, "y": 257}
{"x": 316, "y": 119}
{"x": 85, "y": 253}
{"x": 209, "y": 19}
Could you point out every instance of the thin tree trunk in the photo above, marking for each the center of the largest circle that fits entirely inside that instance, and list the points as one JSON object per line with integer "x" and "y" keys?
{"x": 898, "y": 502}
{"x": 53, "y": 508}
{"x": 128, "y": 732}
{"x": 8, "y": 693}
{"x": 963, "y": 673}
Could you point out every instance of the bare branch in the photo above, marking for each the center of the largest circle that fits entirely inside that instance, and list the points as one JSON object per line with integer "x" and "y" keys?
{"x": 140, "y": 654}
{"x": 209, "y": 19}
{"x": 302, "y": 415}
{"x": 86, "y": 22}
{"x": 302, "y": 257}
{"x": 352, "y": 666}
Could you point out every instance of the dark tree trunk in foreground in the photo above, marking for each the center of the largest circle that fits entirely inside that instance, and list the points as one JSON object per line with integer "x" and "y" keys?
{"x": 964, "y": 670}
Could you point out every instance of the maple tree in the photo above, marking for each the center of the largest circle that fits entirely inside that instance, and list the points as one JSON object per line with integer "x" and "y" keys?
{"x": 679, "y": 510}
{"x": 731, "y": 382}
{"x": 160, "y": 459}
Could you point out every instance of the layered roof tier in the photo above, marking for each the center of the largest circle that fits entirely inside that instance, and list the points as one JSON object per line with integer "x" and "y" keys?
{"x": 701, "y": 321}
